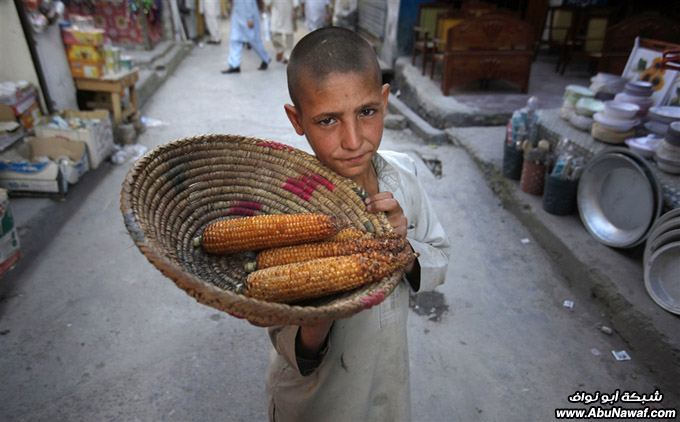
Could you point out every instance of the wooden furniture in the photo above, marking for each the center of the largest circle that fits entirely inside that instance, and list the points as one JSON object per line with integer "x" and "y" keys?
{"x": 587, "y": 37}
{"x": 423, "y": 32}
{"x": 476, "y": 8}
{"x": 114, "y": 85}
{"x": 492, "y": 46}
{"x": 620, "y": 38}
{"x": 556, "y": 27}
{"x": 445, "y": 21}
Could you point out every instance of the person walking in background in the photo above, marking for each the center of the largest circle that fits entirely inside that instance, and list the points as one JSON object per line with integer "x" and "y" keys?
{"x": 345, "y": 14}
{"x": 245, "y": 28}
{"x": 316, "y": 14}
{"x": 283, "y": 13}
{"x": 212, "y": 9}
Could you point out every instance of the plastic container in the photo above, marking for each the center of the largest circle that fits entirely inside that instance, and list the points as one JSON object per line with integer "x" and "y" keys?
{"x": 559, "y": 196}
{"x": 532, "y": 180}
{"x": 620, "y": 110}
{"x": 512, "y": 162}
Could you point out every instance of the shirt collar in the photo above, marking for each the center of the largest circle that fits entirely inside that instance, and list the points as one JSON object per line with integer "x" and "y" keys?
{"x": 388, "y": 176}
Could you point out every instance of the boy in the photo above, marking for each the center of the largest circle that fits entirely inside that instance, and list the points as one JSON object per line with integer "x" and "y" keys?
{"x": 355, "y": 369}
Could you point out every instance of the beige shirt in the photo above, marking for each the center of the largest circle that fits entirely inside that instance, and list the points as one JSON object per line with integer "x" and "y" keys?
{"x": 364, "y": 375}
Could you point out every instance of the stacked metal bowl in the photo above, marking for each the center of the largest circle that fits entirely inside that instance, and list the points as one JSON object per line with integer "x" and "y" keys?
{"x": 661, "y": 261}
{"x": 667, "y": 154}
{"x": 619, "y": 198}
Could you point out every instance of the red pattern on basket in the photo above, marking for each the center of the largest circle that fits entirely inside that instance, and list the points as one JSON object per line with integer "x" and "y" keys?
{"x": 274, "y": 145}
{"x": 322, "y": 180}
{"x": 241, "y": 211}
{"x": 304, "y": 186}
{"x": 248, "y": 204}
{"x": 373, "y": 299}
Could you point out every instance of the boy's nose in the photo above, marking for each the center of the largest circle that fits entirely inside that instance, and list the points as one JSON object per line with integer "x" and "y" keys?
{"x": 352, "y": 138}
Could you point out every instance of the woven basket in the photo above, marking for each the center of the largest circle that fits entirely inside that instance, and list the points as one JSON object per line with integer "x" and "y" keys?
{"x": 172, "y": 192}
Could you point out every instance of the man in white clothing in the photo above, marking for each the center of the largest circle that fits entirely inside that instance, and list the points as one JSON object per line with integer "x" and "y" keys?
{"x": 283, "y": 13}
{"x": 316, "y": 14}
{"x": 211, "y": 10}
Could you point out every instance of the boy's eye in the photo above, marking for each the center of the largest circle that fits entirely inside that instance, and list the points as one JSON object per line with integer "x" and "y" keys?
{"x": 327, "y": 121}
{"x": 368, "y": 112}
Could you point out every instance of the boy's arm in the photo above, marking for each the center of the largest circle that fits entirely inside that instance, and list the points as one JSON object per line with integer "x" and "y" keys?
{"x": 424, "y": 232}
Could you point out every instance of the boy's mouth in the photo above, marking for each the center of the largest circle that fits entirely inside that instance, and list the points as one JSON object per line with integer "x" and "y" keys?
{"x": 355, "y": 159}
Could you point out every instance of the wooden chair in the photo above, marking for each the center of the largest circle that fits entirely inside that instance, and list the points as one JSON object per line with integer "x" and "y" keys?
{"x": 492, "y": 46}
{"x": 476, "y": 8}
{"x": 445, "y": 21}
{"x": 556, "y": 28}
{"x": 423, "y": 32}
{"x": 587, "y": 37}
{"x": 620, "y": 38}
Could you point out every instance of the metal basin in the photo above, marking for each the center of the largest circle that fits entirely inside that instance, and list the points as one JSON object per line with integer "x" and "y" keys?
{"x": 616, "y": 200}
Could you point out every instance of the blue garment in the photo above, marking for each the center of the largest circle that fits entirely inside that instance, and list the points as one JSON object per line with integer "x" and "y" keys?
{"x": 243, "y": 11}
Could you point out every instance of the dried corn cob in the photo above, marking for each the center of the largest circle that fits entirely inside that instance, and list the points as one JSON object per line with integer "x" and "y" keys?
{"x": 349, "y": 233}
{"x": 323, "y": 276}
{"x": 308, "y": 251}
{"x": 266, "y": 231}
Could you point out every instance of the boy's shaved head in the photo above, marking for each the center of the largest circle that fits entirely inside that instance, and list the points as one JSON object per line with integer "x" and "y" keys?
{"x": 326, "y": 51}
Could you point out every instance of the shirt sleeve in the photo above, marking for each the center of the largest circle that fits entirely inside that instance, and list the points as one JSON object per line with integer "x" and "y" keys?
{"x": 283, "y": 338}
{"x": 426, "y": 234}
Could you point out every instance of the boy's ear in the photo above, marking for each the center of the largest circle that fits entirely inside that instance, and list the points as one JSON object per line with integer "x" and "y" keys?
{"x": 385, "y": 93}
{"x": 295, "y": 118}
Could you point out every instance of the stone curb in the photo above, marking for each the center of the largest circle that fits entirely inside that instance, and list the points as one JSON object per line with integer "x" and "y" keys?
{"x": 417, "y": 124}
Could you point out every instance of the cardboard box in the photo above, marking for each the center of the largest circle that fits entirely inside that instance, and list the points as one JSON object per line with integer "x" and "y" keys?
{"x": 86, "y": 53}
{"x": 99, "y": 138}
{"x": 91, "y": 70}
{"x": 23, "y": 104}
{"x": 10, "y": 250}
{"x": 13, "y": 93}
{"x": 93, "y": 37}
{"x": 30, "y": 116}
{"x": 43, "y": 165}
{"x": 10, "y": 130}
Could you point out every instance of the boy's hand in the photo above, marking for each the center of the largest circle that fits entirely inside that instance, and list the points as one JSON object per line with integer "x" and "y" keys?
{"x": 384, "y": 201}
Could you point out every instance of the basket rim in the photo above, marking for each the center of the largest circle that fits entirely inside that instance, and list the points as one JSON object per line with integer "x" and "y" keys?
{"x": 256, "y": 311}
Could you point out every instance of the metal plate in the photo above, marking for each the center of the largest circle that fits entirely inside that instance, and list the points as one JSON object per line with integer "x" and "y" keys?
{"x": 616, "y": 200}
{"x": 656, "y": 185}
{"x": 664, "y": 238}
{"x": 662, "y": 277}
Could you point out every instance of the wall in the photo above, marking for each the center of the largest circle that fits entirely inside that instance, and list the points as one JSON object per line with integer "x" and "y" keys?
{"x": 16, "y": 63}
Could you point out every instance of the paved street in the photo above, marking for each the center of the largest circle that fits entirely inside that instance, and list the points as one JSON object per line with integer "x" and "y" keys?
{"x": 91, "y": 331}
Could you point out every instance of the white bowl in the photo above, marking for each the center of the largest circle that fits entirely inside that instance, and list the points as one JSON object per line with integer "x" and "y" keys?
{"x": 664, "y": 114}
{"x": 643, "y": 146}
{"x": 666, "y": 166}
{"x": 581, "y": 122}
{"x": 644, "y": 102}
{"x": 620, "y": 110}
{"x": 656, "y": 127}
{"x": 588, "y": 106}
{"x": 668, "y": 151}
{"x": 616, "y": 125}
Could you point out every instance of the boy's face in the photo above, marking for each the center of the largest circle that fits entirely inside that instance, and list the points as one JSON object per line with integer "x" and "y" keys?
{"x": 342, "y": 118}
